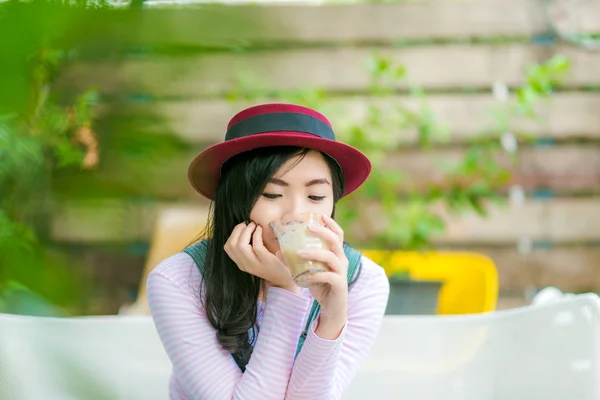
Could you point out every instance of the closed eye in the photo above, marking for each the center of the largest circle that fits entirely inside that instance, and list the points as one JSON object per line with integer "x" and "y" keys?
{"x": 317, "y": 198}
{"x": 271, "y": 195}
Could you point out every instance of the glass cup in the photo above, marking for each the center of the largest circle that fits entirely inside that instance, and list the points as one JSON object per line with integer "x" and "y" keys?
{"x": 294, "y": 236}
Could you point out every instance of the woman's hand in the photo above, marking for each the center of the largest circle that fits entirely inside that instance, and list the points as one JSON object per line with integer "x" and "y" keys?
{"x": 330, "y": 288}
{"x": 255, "y": 259}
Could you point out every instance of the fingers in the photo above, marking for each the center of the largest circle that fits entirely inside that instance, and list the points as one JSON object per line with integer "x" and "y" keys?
{"x": 257, "y": 243}
{"x": 316, "y": 278}
{"x": 331, "y": 238}
{"x": 246, "y": 234}
{"x": 235, "y": 234}
{"x": 261, "y": 251}
{"x": 245, "y": 247}
{"x": 325, "y": 257}
{"x": 238, "y": 246}
{"x": 331, "y": 224}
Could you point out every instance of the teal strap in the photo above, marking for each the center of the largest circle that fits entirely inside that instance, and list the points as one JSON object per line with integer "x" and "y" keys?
{"x": 198, "y": 253}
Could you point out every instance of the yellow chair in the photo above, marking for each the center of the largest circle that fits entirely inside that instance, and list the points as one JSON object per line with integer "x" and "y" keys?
{"x": 470, "y": 281}
{"x": 175, "y": 228}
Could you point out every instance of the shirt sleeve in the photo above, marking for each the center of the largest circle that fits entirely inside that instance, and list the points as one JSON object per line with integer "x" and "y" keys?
{"x": 325, "y": 368}
{"x": 202, "y": 367}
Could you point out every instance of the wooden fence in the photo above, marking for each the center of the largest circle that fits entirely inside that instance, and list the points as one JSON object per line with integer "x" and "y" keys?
{"x": 454, "y": 50}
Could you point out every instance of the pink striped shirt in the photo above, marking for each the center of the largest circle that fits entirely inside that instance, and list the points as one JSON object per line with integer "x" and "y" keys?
{"x": 202, "y": 369}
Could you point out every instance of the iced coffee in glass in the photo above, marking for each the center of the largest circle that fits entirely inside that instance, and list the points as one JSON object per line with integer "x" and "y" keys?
{"x": 293, "y": 236}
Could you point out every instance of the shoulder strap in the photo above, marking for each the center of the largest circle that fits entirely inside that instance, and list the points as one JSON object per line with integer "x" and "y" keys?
{"x": 354, "y": 259}
{"x": 198, "y": 253}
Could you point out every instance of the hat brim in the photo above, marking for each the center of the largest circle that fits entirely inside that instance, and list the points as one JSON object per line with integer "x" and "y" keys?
{"x": 205, "y": 169}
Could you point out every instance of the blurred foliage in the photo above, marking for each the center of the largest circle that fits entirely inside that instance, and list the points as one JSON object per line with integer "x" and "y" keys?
{"x": 412, "y": 209}
{"x": 38, "y": 134}
{"x": 62, "y": 141}
{"x": 413, "y": 220}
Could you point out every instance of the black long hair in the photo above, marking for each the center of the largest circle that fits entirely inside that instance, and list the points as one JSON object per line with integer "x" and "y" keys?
{"x": 231, "y": 295}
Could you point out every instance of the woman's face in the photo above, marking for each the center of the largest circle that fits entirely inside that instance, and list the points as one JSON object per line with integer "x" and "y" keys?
{"x": 297, "y": 187}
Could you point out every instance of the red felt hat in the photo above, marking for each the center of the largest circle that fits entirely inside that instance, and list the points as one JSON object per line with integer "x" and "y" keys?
{"x": 277, "y": 124}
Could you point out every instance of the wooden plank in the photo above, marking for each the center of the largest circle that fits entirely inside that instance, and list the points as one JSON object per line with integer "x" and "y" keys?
{"x": 563, "y": 170}
{"x": 558, "y": 220}
{"x": 112, "y": 220}
{"x": 565, "y": 116}
{"x": 333, "y": 69}
{"x": 570, "y": 269}
{"x": 193, "y": 26}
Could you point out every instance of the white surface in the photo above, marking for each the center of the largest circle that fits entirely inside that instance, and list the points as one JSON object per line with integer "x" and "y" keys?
{"x": 548, "y": 352}
{"x": 112, "y": 358}
{"x": 545, "y": 352}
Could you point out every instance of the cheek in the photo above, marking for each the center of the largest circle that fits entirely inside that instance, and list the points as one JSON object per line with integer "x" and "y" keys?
{"x": 263, "y": 213}
{"x": 270, "y": 241}
{"x": 330, "y": 206}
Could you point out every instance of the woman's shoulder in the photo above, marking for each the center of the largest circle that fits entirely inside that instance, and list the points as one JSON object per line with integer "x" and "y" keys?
{"x": 373, "y": 276}
{"x": 370, "y": 292}
{"x": 372, "y": 269}
{"x": 179, "y": 268}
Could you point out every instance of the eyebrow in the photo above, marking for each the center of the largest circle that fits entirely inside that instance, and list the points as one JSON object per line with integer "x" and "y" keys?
{"x": 281, "y": 182}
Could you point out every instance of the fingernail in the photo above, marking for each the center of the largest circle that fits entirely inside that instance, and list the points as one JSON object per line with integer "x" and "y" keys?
{"x": 302, "y": 252}
{"x": 312, "y": 226}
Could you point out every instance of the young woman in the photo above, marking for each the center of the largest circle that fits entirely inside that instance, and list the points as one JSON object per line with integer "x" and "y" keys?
{"x": 227, "y": 310}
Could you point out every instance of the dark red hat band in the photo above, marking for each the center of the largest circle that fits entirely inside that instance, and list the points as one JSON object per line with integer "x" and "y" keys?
{"x": 282, "y": 121}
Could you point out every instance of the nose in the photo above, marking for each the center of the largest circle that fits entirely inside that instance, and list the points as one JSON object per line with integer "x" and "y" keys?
{"x": 296, "y": 210}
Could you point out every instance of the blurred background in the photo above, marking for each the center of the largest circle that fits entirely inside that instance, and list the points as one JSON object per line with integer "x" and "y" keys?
{"x": 480, "y": 116}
